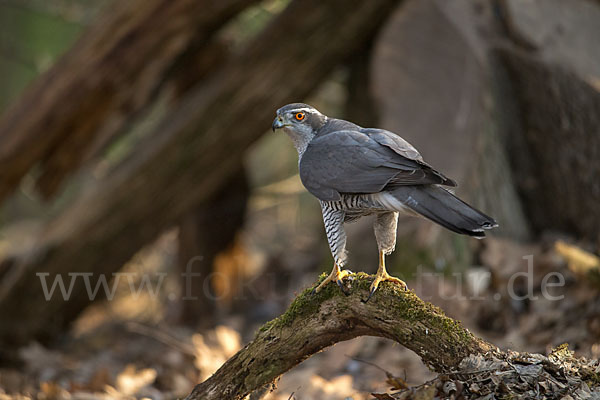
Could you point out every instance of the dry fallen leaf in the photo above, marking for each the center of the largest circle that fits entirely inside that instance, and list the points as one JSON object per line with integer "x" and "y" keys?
{"x": 382, "y": 396}
{"x": 131, "y": 380}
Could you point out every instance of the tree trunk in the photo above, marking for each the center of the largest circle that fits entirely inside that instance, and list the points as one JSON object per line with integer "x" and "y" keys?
{"x": 360, "y": 106}
{"x": 503, "y": 97}
{"x": 554, "y": 68}
{"x": 210, "y": 229}
{"x": 443, "y": 100}
{"x": 96, "y": 89}
{"x": 558, "y": 159}
{"x": 174, "y": 169}
{"x": 204, "y": 234}
{"x": 314, "y": 322}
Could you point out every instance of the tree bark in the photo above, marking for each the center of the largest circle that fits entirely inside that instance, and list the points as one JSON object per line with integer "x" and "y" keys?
{"x": 314, "y": 322}
{"x": 174, "y": 169}
{"x": 97, "y": 88}
{"x": 553, "y": 69}
{"x": 556, "y": 154}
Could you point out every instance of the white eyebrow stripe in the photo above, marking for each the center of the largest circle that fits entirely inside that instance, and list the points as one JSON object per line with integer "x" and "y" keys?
{"x": 304, "y": 109}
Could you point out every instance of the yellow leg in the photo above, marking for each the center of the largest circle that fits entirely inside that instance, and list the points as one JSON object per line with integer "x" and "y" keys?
{"x": 382, "y": 275}
{"x": 336, "y": 275}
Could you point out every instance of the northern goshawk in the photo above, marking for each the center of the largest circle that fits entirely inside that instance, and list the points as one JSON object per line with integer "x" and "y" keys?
{"x": 356, "y": 171}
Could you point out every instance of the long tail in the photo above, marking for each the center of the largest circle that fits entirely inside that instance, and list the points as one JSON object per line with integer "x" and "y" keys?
{"x": 440, "y": 206}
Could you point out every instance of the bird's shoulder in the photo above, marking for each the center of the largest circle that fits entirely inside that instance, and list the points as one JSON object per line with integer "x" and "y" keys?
{"x": 339, "y": 130}
{"x": 394, "y": 142}
{"x": 334, "y": 125}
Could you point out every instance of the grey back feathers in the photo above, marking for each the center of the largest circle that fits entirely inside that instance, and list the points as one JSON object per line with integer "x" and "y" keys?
{"x": 345, "y": 158}
{"x": 338, "y": 158}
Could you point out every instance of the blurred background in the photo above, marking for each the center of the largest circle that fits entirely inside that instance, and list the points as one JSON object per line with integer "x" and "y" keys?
{"x": 151, "y": 222}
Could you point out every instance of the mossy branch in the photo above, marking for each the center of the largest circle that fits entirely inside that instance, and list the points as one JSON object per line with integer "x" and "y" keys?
{"x": 314, "y": 322}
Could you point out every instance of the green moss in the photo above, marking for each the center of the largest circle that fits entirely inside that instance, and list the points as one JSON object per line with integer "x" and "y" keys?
{"x": 406, "y": 304}
{"x": 410, "y": 307}
{"x": 561, "y": 352}
{"x": 305, "y": 303}
{"x": 592, "y": 378}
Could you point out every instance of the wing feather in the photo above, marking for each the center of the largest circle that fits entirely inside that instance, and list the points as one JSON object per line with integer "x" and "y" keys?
{"x": 363, "y": 161}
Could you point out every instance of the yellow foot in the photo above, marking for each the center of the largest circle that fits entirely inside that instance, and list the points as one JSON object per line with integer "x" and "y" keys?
{"x": 335, "y": 276}
{"x": 385, "y": 277}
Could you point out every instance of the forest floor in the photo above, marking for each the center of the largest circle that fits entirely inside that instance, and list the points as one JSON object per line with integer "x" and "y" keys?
{"x": 128, "y": 348}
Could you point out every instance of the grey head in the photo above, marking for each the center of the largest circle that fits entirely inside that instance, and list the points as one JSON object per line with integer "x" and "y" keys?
{"x": 300, "y": 122}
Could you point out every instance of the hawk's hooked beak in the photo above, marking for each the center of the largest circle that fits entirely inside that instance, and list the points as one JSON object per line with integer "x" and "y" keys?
{"x": 277, "y": 123}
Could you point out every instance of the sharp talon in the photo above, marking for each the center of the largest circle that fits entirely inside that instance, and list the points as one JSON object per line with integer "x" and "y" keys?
{"x": 400, "y": 282}
{"x": 371, "y": 294}
{"x": 338, "y": 276}
{"x": 343, "y": 287}
{"x": 340, "y": 281}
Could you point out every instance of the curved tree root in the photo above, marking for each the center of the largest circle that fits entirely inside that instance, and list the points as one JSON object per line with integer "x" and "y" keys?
{"x": 314, "y": 322}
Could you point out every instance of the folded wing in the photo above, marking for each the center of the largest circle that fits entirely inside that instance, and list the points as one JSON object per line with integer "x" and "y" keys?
{"x": 363, "y": 161}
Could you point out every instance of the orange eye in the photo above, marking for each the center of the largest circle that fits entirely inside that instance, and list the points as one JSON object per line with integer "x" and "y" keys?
{"x": 299, "y": 116}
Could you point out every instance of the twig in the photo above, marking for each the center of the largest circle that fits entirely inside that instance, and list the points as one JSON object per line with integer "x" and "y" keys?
{"x": 162, "y": 337}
